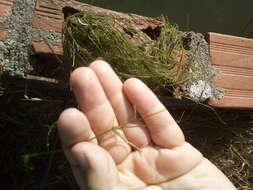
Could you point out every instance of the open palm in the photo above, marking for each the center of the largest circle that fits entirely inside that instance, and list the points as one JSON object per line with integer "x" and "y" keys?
{"x": 163, "y": 161}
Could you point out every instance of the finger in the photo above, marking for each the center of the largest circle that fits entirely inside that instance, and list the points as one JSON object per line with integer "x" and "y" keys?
{"x": 74, "y": 127}
{"x": 93, "y": 102}
{"x": 163, "y": 129}
{"x": 92, "y": 166}
{"x": 123, "y": 110}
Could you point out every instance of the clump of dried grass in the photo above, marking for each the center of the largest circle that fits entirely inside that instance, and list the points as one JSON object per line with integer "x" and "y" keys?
{"x": 131, "y": 52}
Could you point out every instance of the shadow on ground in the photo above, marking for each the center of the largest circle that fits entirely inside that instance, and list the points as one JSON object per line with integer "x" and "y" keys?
{"x": 25, "y": 125}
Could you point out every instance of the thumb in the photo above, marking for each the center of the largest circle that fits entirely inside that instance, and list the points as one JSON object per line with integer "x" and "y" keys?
{"x": 92, "y": 167}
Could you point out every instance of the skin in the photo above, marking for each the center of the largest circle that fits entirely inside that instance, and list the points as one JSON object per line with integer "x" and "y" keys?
{"x": 164, "y": 159}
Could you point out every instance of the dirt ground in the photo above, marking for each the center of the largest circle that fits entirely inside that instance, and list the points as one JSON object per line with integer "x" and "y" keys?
{"x": 25, "y": 125}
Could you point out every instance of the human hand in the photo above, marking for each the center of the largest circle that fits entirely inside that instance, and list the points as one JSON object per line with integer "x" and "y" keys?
{"x": 164, "y": 159}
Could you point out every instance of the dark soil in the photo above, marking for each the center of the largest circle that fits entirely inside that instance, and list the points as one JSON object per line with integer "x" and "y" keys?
{"x": 25, "y": 125}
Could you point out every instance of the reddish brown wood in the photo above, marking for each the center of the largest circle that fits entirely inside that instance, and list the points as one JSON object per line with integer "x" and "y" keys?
{"x": 39, "y": 48}
{"x": 4, "y": 8}
{"x": 48, "y": 24}
{"x": 3, "y": 35}
{"x": 48, "y": 16}
{"x": 233, "y": 56}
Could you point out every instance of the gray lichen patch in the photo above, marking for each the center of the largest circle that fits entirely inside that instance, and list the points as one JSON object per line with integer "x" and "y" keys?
{"x": 200, "y": 90}
{"x": 47, "y": 36}
{"x": 15, "y": 49}
{"x": 200, "y": 85}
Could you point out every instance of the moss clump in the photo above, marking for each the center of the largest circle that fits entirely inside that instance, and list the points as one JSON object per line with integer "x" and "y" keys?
{"x": 131, "y": 52}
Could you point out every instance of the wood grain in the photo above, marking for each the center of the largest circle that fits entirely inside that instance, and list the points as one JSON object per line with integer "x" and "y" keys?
{"x": 233, "y": 56}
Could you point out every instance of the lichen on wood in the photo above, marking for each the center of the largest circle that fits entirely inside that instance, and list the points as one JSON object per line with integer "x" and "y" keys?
{"x": 14, "y": 50}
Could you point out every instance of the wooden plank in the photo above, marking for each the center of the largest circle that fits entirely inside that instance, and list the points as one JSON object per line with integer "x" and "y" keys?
{"x": 233, "y": 56}
{"x": 4, "y": 8}
{"x": 48, "y": 24}
{"x": 39, "y": 48}
{"x": 233, "y": 102}
{"x": 231, "y": 59}
{"x": 3, "y": 35}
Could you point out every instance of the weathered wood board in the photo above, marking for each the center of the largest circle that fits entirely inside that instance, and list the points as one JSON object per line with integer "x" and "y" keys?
{"x": 233, "y": 56}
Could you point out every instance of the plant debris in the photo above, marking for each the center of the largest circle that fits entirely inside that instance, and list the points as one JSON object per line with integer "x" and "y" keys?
{"x": 87, "y": 37}
{"x": 163, "y": 57}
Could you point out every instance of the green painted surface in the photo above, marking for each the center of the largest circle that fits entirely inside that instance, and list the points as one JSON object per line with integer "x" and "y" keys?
{"x": 223, "y": 16}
